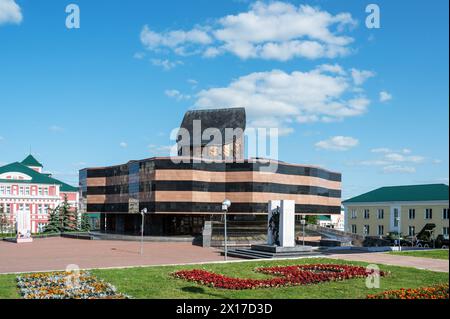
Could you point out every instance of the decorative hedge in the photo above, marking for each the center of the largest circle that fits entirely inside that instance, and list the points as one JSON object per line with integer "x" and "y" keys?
{"x": 283, "y": 276}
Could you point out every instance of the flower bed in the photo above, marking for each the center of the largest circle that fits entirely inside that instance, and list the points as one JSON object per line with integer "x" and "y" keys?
{"x": 64, "y": 285}
{"x": 434, "y": 292}
{"x": 284, "y": 276}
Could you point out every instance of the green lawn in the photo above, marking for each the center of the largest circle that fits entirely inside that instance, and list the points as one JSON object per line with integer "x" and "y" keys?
{"x": 435, "y": 253}
{"x": 156, "y": 282}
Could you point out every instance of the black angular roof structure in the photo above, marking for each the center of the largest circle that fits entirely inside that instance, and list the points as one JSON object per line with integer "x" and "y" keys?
{"x": 215, "y": 118}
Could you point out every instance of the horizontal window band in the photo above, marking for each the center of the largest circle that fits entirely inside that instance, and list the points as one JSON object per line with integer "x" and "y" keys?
{"x": 211, "y": 208}
{"x": 148, "y": 166}
{"x": 196, "y": 186}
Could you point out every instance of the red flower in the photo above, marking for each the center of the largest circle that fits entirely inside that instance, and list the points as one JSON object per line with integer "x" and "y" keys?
{"x": 283, "y": 276}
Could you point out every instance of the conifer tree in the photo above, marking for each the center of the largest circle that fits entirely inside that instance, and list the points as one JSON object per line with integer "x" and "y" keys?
{"x": 68, "y": 217}
{"x": 54, "y": 222}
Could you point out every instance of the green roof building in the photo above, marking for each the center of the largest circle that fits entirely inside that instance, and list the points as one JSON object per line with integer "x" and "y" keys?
{"x": 24, "y": 187}
{"x": 393, "y": 209}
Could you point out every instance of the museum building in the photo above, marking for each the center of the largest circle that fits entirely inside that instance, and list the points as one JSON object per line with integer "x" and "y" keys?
{"x": 181, "y": 193}
{"x": 25, "y": 187}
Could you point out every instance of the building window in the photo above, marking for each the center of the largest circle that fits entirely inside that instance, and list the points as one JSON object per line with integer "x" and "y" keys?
{"x": 445, "y": 213}
{"x": 354, "y": 214}
{"x": 41, "y": 227}
{"x": 354, "y": 229}
{"x": 366, "y": 214}
{"x": 380, "y": 230}
{"x": 27, "y": 191}
{"x": 40, "y": 191}
{"x": 366, "y": 230}
{"x": 428, "y": 213}
{"x": 381, "y": 214}
{"x": 2, "y": 190}
{"x": 412, "y": 231}
{"x": 445, "y": 231}
{"x": 412, "y": 213}
{"x": 8, "y": 190}
{"x": 21, "y": 190}
{"x": 396, "y": 217}
{"x": 45, "y": 191}
{"x": 8, "y": 208}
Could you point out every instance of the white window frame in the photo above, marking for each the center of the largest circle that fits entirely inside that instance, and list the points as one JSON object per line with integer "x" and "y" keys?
{"x": 428, "y": 213}
{"x": 380, "y": 210}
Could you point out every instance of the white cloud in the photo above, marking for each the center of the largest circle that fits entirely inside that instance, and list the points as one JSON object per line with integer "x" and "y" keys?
{"x": 166, "y": 64}
{"x": 162, "y": 150}
{"x": 177, "y": 95}
{"x": 275, "y": 31}
{"x": 139, "y": 55}
{"x": 385, "y": 96}
{"x": 338, "y": 143}
{"x": 393, "y": 161}
{"x": 361, "y": 76}
{"x": 435, "y": 161}
{"x": 284, "y": 98}
{"x": 123, "y": 144}
{"x": 10, "y": 12}
{"x": 56, "y": 128}
{"x": 399, "y": 169}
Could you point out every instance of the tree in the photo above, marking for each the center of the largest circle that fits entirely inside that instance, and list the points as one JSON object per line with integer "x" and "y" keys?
{"x": 62, "y": 219}
{"x": 85, "y": 224}
{"x": 54, "y": 222}
{"x": 311, "y": 219}
{"x": 4, "y": 222}
{"x": 68, "y": 217}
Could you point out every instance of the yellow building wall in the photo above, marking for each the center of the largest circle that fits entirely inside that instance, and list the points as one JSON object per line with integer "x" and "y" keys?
{"x": 372, "y": 221}
{"x": 419, "y": 222}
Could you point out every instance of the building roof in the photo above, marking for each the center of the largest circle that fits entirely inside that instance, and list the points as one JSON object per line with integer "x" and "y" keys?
{"x": 324, "y": 218}
{"x": 31, "y": 161}
{"x": 408, "y": 193}
{"x": 36, "y": 178}
{"x": 215, "y": 118}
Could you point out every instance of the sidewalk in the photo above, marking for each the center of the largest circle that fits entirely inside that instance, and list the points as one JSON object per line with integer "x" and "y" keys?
{"x": 404, "y": 261}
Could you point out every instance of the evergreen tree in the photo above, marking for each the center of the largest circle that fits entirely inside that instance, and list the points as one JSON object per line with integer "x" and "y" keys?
{"x": 68, "y": 217}
{"x": 54, "y": 222}
{"x": 85, "y": 224}
{"x": 312, "y": 219}
{"x": 3, "y": 220}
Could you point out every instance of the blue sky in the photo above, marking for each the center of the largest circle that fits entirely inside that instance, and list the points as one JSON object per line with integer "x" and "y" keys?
{"x": 370, "y": 103}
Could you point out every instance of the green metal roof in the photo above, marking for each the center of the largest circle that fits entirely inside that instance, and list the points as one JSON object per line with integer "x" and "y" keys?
{"x": 31, "y": 161}
{"x": 36, "y": 178}
{"x": 408, "y": 193}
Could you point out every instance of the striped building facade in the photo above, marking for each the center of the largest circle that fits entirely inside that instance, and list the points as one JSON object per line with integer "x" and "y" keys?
{"x": 181, "y": 196}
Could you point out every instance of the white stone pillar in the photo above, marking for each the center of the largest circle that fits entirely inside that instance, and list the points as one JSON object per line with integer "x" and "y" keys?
{"x": 287, "y": 223}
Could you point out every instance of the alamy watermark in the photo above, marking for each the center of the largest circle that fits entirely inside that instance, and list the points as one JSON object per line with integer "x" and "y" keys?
{"x": 73, "y": 17}
{"x": 373, "y": 277}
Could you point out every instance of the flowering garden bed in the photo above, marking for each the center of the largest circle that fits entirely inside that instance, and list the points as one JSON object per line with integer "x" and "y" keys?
{"x": 64, "y": 285}
{"x": 283, "y": 276}
{"x": 434, "y": 292}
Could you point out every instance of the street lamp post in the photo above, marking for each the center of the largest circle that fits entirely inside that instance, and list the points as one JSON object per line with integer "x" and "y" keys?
{"x": 225, "y": 206}
{"x": 399, "y": 236}
{"x": 303, "y": 221}
{"x": 143, "y": 212}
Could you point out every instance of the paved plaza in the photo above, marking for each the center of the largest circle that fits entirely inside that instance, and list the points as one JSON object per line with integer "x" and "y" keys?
{"x": 57, "y": 253}
{"x": 404, "y": 261}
